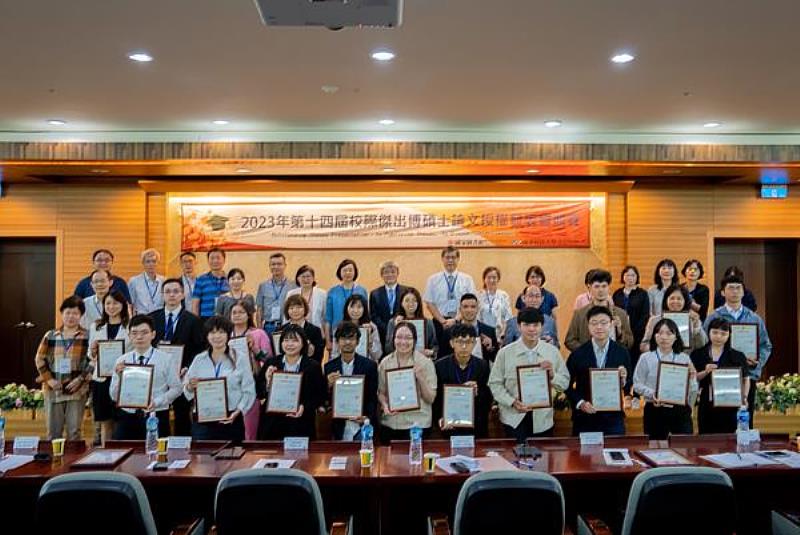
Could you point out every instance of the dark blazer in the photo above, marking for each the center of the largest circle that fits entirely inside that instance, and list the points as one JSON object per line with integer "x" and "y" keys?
{"x": 367, "y": 368}
{"x": 314, "y": 335}
{"x": 188, "y": 331}
{"x": 488, "y": 354}
{"x": 578, "y": 364}
{"x": 379, "y": 311}
{"x": 313, "y": 392}
{"x": 446, "y": 374}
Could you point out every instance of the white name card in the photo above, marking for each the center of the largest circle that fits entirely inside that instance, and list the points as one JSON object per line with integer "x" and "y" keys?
{"x": 744, "y": 438}
{"x": 179, "y": 443}
{"x": 592, "y": 439}
{"x": 26, "y": 443}
{"x": 462, "y": 442}
{"x": 295, "y": 443}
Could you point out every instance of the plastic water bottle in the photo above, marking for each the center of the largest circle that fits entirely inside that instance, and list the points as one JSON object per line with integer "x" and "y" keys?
{"x": 415, "y": 448}
{"x": 742, "y": 419}
{"x": 367, "y": 433}
{"x": 151, "y": 439}
{"x": 2, "y": 435}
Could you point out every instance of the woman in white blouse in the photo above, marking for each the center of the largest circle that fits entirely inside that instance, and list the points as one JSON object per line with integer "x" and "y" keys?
{"x": 315, "y": 297}
{"x": 112, "y": 325}
{"x": 218, "y": 361}
{"x": 495, "y": 305}
{"x": 661, "y": 418}
{"x": 666, "y": 275}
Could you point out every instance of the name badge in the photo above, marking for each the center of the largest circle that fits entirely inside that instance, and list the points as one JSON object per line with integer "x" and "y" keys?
{"x": 295, "y": 443}
{"x": 26, "y": 443}
{"x": 275, "y": 315}
{"x": 592, "y": 439}
{"x": 63, "y": 366}
{"x": 450, "y": 307}
{"x": 179, "y": 443}
{"x": 462, "y": 442}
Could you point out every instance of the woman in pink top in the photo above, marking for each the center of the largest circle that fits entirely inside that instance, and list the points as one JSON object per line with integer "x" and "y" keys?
{"x": 242, "y": 315}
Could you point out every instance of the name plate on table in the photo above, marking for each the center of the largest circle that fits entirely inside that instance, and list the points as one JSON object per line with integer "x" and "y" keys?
{"x": 348, "y": 397}
{"x": 462, "y": 442}
{"x": 211, "y": 400}
{"x": 135, "y": 387}
{"x": 295, "y": 444}
{"x": 684, "y": 323}
{"x": 419, "y": 325}
{"x": 594, "y": 438}
{"x": 239, "y": 347}
{"x": 605, "y": 389}
{"x": 175, "y": 352}
{"x": 363, "y": 342}
{"x": 533, "y": 386}
{"x": 401, "y": 386}
{"x": 726, "y": 387}
{"x": 108, "y": 352}
{"x": 672, "y": 383}
{"x": 744, "y": 338}
{"x": 458, "y": 406}
{"x": 179, "y": 443}
{"x": 284, "y": 392}
{"x": 26, "y": 444}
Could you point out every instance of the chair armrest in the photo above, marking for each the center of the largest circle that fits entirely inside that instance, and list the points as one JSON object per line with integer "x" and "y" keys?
{"x": 342, "y": 525}
{"x": 591, "y": 525}
{"x": 438, "y": 524}
{"x": 195, "y": 527}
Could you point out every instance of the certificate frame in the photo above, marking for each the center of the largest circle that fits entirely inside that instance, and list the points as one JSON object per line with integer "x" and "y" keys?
{"x": 521, "y": 370}
{"x": 237, "y": 342}
{"x": 276, "y": 343}
{"x": 171, "y": 350}
{"x": 419, "y": 325}
{"x": 681, "y": 319}
{"x": 108, "y": 343}
{"x": 716, "y": 376}
{"x": 341, "y": 381}
{"x": 201, "y": 385}
{"x": 664, "y": 367}
{"x": 391, "y": 376}
{"x": 467, "y": 390}
{"x": 295, "y": 377}
{"x": 135, "y": 368}
{"x": 364, "y": 340}
{"x": 751, "y": 353}
{"x": 597, "y": 373}
{"x": 101, "y": 459}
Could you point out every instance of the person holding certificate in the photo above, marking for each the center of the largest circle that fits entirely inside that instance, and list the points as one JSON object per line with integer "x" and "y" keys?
{"x": 756, "y": 349}
{"x": 350, "y": 364}
{"x": 220, "y": 406}
{"x": 522, "y": 421}
{"x": 718, "y": 353}
{"x": 112, "y": 325}
{"x": 677, "y": 301}
{"x": 661, "y": 418}
{"x": 396, "y": 423}
{"x": 411, "y": 310}
{"x": 154, "y": 395}
{"x": 462, "y": 368}
{"x": 312, "y": 393}
{"x": 599, "y": 352}
{"x": 296, "y": 310}
{"x": 355, "y": 311}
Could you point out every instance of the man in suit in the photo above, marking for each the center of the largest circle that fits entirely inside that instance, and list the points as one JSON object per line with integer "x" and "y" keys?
{"x": 487, "y": 336}
{"x": 349, "y": 363}
{"x": 177, "y": 326}
{"x": 599, "y": 352}
{"x": 384, "y": 301}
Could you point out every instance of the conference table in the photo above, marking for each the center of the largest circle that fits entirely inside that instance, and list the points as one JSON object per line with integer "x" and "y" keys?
{"x": 394, "y": 497}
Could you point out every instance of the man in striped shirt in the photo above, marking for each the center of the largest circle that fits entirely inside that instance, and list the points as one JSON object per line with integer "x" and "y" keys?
{"x": 211, "y": 285}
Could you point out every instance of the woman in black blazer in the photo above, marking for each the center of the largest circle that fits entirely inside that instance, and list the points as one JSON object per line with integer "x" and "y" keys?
{"x": 296, "y": 309}
{"x": 313, "y": 390}
{"x": 717, "y": 354}
{"x": 635, "y": 301}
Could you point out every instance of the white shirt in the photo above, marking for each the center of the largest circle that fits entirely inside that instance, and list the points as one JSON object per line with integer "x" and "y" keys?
{"x": 188, "y": 290}
{"x": 145, "y": 293}
{"x": 495, "y": 310}
{"x": 437, "y": 291}
{"x": 241, "y": 388}
{"x": 96, "y": 335}
{"x": 175, "y": 313}
{"x": 735, "y": 314}
{"x": 316, "y": 308}
{"x": 166, "y": 383}
{"x": 646, "y": 374}
{"x": 94, "y": 311}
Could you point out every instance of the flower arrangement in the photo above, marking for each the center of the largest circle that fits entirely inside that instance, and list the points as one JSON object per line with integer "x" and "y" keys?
{"x": 778, "y": 393}
{"x": 14, "y": 396}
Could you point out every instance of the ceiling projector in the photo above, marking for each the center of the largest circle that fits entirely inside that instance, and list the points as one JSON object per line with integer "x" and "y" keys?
{"x": 331, "y": 14}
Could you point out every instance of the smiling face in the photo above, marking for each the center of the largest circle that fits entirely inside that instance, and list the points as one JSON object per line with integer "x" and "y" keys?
{"x": 348, "y": 273}
{"x": 410, "y": 305}
{"x": 236, "y": 281}
{"x": 101, "y": 282}
{"x": 665, "y": 338}
{"x": 600, "y": 328}
{"x": 666, "y": 272}
{"x": 355, "y": 310}
{"x": 296, "y": 313}
{"x": 469, "y": 310}
{"x": 217, "y": 339}
{"x": 71, "y": 317}
{"x": 103, "y": 260}
{"x": 403, "y": 340}
{"x": 490, "y": 280}
{"x": 216, "y": 261}
{"x": 112, "y": 307}
{"x": 389, "y": 275}
{"x": 291, "y": 345}
{"x": 693, "y": 272}
{"x": 676, "y": 302}
{"x": 239, "y": 315}
{"x": 533, "y": 297}
{"x": 530, "y": 332}
{"x": 306, "y": 279}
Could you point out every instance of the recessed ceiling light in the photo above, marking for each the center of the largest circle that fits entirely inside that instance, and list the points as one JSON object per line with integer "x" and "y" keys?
{"x": 56, "y": 122}
{"x": 712, "y": 124}
{"x": 383, "y": 55}
{"x": 386, "y": 122}
{"x": 141, "y": 57}
{"x": 533, "y": 171}
{"x": 552, "y": 123}
{"x": 243, "y": 170}
{"x": 388, "y": 169}
{"x": 221, "y": 122}
{"x": 622, "y": 58}
{"x": 100, "y": 171}
{"x": 330, "y": 89}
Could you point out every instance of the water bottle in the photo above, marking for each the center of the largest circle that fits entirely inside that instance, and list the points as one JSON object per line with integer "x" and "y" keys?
{"x": 742, "y": 419}
{"x": 2, "y": 435}
{"x": 415, "y": 448}
{"x": 151, "y": 439}
{"x": 366, "y": 436}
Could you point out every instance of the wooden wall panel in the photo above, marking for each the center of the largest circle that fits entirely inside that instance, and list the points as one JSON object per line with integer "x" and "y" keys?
{"x": 156, "y": 223}
{"x": 616, "y": 238}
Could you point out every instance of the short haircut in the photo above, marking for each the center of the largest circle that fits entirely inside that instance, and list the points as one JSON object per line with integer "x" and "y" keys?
{"x": 731, "y": 279}
{"x": 588, "y": 276}
{"x": 657, "y": 278}
{"x": 96, "y": 271}
{"x": 347, "y": 329}
{"x": 217, "y": 323}
{"x": 236, "y": 271}
{"x": 386, "y": 264}
{"x": 142, "y": 319}
{"x": 293, "y": 331}
{"x": 689, "y": 263}
{"x": 734, "y": 270}
{"x": 187, "y": 253}
{"x": 467, "y": 296}
{"x": 418, "y": 314}
{"x": 687, "y": 299}
{"x": 535, "y": 270}
{"x": 406, "y": 325}
{"x": 278, "y": 255}
{"x": 100, "y": 251}
{"x": 461, "y": 330}
{"x": 599, "y": 275}
{"x": 598, "y": 310}
{"x": 450, "y": 249}
{"x": 73, "y": 301}
{"x": 171, "y": 280}
{"x": 677, "y": 345}
{"x": 295, "y": 300}
{"x": 149, "y": 252}
{"x": 347, "y": 262}
{"x": 305, "y": 268}
{"x": 216, "y": 250}
{"x": 630, "y": 267}
{"x": 530, "y": 315}
{"x": 357, "y": 298}
{"x": 720, "y": 324}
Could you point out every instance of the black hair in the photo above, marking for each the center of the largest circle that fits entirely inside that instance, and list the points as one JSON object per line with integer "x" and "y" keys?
{"x": 408, "y": 325}
{"x": 677, "y": 345}
{"x": 347, "y": 329}
{"x": 530, "y": 315}
{"x": 142, "y": 319}
{"x": 687, "y": 299}
{"x": 219, "y": 323}
{"x": 599, "y": 275}
{"x": 347, "y": 262}
{"x": 124, "y": 316}
{"x": 657, "y": 278}
{"x": 302, "y": 269}
{"x": 598, "y": 310}
{"x": 172, "y": 280}
{"x": 293, "y": 331}
{"x": 73, "y": 301}
{"x": 356, "y": 298}
{"x": 461, "y": 330}
{"x": 628, "y": 268}
{"x": 689, "y": 263}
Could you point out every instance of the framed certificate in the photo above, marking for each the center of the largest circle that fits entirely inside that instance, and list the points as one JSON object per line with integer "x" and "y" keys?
{"x": 348, "y": 397}
{"x": 605, "y": 390}
{"x": 419, "y": 325}
{"x": 684, "y": 324}
{"x": 175, "y": 352}
{"x": 284, "y": 392}
{"x": 101, "y": 459}
{"x": 211, "y": 400}
{"x": 533, "y": 386}
{"x": 363, "y": 342}
{"x": 401, "y": 386}
{"x": 239, "y": 346}
{"x": 458, "y": 407}
{"x": 726, "y": 387}
{"x": 135, "y": 387}
{"x": 672, "y": 383}
{"x": 744, "y": 338}
{"x": 276, "y": 343}
{"x": 108, "y": 351}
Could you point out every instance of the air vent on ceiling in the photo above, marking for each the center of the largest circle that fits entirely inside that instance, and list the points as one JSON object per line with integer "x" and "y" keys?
{"x": 331, "y": 14}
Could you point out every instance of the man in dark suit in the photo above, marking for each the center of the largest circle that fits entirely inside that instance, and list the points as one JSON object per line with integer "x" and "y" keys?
{"x": 177, "y": 326}
{"x": 349, "y": 363}
{"x": 487, "y": 345}
{"x": 599, "y": 352}
{"x": 384, "y": 301}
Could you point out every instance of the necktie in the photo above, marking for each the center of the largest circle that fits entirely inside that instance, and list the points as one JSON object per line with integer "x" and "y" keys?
{"x": 601, "y": 359}
{"x": 170, "y": 328}
{"x": 141, "y": 360}
{"x": 391, "y": 299}
{"x": 450, "y": 280}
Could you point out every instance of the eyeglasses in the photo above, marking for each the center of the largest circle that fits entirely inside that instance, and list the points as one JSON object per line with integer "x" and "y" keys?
{"x": 604, "y": 323}
{"x": 463, "y": 341}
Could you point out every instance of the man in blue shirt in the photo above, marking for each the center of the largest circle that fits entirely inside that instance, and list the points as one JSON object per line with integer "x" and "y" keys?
{"x": 102, "y": 259}
{"x": 211, "y": 285}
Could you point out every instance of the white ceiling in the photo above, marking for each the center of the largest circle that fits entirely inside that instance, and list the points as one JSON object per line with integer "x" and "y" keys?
{"x": 466, "y": 70}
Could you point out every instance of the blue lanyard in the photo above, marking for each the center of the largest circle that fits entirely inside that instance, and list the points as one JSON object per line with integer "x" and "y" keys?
{"x": 277, "y": 293}
{"x": 67, "y": 346}
{"x": 490, "y": 303}
{"x": 146, "y": 362}
{"x": 348, "y": 293}
{"x": 154, "y": 290}
{"x": 97, "y": 307}
{"x": 217, "y": 367}
{"x": 189, "y": 284}
{"x": 450, "y": 287}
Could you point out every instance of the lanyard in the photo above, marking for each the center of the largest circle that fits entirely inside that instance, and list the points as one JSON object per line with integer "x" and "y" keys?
{"x": 451, "y": 288}
{"x": 149, "y": 356}
{"x": 189, "y": 285}
{"x": 67, "y": 346}
{"x": 490, "y": 302}
{"x": 97, "y": 307}
{"x": 275, "y": 292}
{"x": 152, "y": 292}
